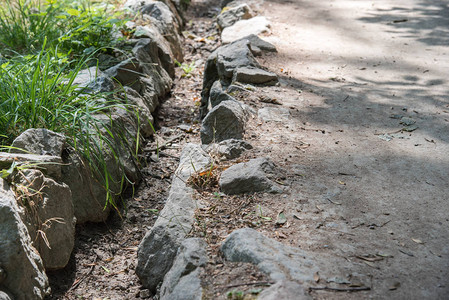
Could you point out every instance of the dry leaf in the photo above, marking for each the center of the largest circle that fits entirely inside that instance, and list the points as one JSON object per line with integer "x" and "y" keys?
{"x": 394, "y": 286}
{"x": 418, "y": 241}
{"x": 316, "y": 277}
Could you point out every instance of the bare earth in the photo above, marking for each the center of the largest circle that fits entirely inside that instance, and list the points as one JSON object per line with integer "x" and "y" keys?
{"x": 357, "y": 67}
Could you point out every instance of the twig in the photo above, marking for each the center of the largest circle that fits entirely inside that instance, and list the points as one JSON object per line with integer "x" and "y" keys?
{"x": 355, "y": 289}
{"x": 250, "y": 283}
{"x": 333, "y": 202}
{"x": 77, "y": 283}
{"x": 164, "y": 145}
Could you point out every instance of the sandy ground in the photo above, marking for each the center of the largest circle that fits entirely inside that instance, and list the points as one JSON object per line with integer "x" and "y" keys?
{"x": 350, "y": 70}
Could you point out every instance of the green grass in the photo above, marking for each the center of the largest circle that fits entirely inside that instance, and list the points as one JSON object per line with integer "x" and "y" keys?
{"x": 43, "y": 46}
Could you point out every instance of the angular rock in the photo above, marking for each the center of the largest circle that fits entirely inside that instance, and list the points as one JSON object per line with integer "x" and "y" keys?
{"x": 255, "y": 76}
{"x": 259, "y": 45}
{"x": 49, "y": 218}
{"x": 284, "y": 290}
{"x": 221, "y": 65}
{"x": 274, "y": 114}
{"x": 158, "y": 249}
{"x": 242, "y": 28}
{"x": 145, "y": 117}
{"x": 278, "y": 261}
{"x": 225, "y": 121}
{"x": 230, "y": 149}
{"x": 88, "y": 194}
{"x": 39, "y": 141}
{"x": 50, "y": 165}
{"x": 217, "y": 95}
{"x": 230, "y": 16}
{"x": 182, "y": 281}
{"x": 136, "y": 5}
{"x": 159, "y": 15}
{"x": 25, "y": 278}
{"x": 253, "y": 176}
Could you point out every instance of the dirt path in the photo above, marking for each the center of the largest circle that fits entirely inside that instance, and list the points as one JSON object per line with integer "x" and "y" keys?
{"x": 351, "y": 70}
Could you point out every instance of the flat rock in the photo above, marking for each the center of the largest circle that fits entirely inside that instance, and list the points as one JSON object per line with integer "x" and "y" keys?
{"x": 256, "y": 175}
{"x": 233, "y": 14}
{"x": 225, "y": 121}
{"x": 182, "y": 281}
{"x": 254, "y": 76}
{"x": 242, "y": 28}
{"x": 25, "y": 275}
{"x": 259, "y": 45}
{"x": 158, "y": 249}
{"x": 273, "y": 114}
{"x": 280, "y": 262}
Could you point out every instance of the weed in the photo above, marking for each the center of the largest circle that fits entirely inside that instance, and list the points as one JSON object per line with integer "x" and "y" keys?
{"x": 187, "y": 68}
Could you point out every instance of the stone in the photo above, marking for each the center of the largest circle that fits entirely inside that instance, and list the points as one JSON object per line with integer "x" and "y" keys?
{"x": 273, "y": 114}
{"x": 88, "y": 194}
{"x": 278, "y": 261}
{"x": 254, "y": 76}
{"x": 135, "y": 5}
{"x": 50, "y": 165}
{"x": 256, "y": 175}
{"x": 258, "y": 44}
{"x": 233, "y": 14}
{"x": 39, "y": 141}
{"x": 284, "y": 289}
{"x": 5, "y": 296}
{"x": 160, "y": 16}
{"x": 221, "y": 64}
{"x": 26, "y": 277}
{"x": 49, "y": 217}
{"x": 225, "y": 121}
{"x": 230, "y": 149}
{"x": 158, "y": 249}
{"x": 217, "y": 95}
{"x": 146, "y": 119}
{"x": 145, "y": 293}
{"x": 182, "y": 281}
{"x": 242, "y": 28}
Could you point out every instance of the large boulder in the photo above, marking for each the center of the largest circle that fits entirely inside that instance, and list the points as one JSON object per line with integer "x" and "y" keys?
{"x": 158, "y": 249}
{"x": 183, "y": 281}
{"x": 233, "y": 14}
{"x": 256, "y": 175}
{"x": 278, "y": 261}
{"x": 242, "y": 28}
{"x": 23, "y": 271}
{"x": 225, "y": 121}
{"x": 48, "y": 215}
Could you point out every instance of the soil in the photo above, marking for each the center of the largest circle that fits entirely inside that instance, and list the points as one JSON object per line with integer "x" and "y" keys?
{"x": 366, "y": 196}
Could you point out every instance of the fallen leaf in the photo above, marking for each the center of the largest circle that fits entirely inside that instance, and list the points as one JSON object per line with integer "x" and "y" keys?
{"x": 316, "y": 277}
{"x": 418, "y": 241}
{"x": 281, "y": 218}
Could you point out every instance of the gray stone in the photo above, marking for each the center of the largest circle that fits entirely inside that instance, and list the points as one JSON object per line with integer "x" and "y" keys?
{"x": 233, "y": 14}
{"x": 158, "y": 249}
{"x": 136, "y": 5}
{"x": 49, "y": 217}
{"x": 39, "y": 141}
{"x": 88, "y": 193}
{"x": 253, "y": 176}
{"x": 5, "y": 296}
{"x": 26, "y": 278}
{"x": 146, "y": 119}
{"x": 50, "y": 165}
{"x": 217, "y": 95}
{"x": 182, "y": 281}
{"x": 225, "y": 121}
{"x": 254, "y": 76}
{"x": 242, "y": 28}
{"x": 258, "y": 44}
{"x": 284, "y": 290}
{"x": 160, "y": 16}
{"x": 230, "y": 149}
{"x": 275, "y": 114}
{"x": 278, "y": 261}
{"x": 221, "y": 64}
